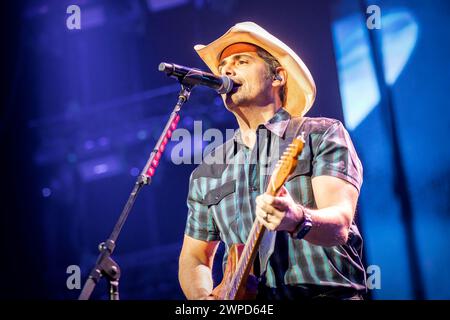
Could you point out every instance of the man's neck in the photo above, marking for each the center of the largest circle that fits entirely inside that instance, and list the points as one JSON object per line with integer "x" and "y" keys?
{"x": 249, "y": 118}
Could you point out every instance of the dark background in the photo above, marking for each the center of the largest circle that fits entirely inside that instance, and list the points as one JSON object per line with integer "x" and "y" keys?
{"x": 82, "y": 109}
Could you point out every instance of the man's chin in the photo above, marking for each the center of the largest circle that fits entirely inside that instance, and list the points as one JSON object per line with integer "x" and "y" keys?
{"x": 231, "y": 105}
{"x": 233, "y": 101}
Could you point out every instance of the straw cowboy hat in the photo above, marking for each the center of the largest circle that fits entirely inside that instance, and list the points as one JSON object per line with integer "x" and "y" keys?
{"x": 301, "y": 89}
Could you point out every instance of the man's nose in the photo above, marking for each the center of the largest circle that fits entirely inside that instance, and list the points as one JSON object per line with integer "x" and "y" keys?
{"x": 228, "y": 70}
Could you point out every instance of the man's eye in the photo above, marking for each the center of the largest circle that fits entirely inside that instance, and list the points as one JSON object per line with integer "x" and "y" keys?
{"x": 242, "y": 61}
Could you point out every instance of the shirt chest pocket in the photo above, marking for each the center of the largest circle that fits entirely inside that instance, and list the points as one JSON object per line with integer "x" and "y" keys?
{"x": 221, "y": 203}
{"x": 299, "y": 183}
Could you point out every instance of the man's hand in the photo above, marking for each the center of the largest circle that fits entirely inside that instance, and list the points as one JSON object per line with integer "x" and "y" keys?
{"x": 278, "y": 213}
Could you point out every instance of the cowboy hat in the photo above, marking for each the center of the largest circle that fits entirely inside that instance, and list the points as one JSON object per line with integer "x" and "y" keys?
{"x": 301, "y": 89}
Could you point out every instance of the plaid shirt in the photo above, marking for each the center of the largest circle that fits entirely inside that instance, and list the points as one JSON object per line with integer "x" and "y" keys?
{"x": 223, "y": 189}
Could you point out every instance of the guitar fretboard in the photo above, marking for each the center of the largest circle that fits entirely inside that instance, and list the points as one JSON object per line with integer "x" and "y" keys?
{"x": 247, "y": 257}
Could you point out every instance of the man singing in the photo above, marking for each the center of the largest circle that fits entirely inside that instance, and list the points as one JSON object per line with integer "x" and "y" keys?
{"x": 314, "y": 248}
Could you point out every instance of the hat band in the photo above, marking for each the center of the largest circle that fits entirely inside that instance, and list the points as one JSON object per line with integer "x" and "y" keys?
{"x": 237, "y": 48}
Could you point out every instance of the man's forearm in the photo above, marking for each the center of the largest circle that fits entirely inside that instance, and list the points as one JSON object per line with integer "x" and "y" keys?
{"x": 195, "y": 279}
{"x": 330, "y": 226}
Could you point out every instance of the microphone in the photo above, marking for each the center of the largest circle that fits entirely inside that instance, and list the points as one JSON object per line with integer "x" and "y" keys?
{"x": 192, "y": 76}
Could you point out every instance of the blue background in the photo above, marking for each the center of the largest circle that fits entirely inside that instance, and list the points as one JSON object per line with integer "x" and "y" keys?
{"x": 82, "y": 110}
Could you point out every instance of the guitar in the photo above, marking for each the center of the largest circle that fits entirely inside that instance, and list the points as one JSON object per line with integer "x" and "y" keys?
{"x": 238, "y": 282}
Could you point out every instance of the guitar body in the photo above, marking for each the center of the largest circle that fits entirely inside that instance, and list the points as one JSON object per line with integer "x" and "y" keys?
{"x": 249, "y": 286}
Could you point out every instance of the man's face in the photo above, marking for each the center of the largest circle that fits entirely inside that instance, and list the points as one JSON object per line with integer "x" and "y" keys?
{"x": 250, "y": 72}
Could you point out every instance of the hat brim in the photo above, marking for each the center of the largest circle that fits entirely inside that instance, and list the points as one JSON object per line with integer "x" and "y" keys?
{"x": 301, "y": 89}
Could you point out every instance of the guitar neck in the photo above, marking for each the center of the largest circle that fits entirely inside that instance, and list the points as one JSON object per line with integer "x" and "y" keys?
{"x": 285, "y": 166}
{"x": 246, "y": 260}
{"x": 248, "y": 254}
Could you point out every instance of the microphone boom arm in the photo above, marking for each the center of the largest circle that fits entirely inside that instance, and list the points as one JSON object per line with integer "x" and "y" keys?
{"x": 105, "y": 266}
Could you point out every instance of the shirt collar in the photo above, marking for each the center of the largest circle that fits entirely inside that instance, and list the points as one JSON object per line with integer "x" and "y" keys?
{"x": 279, "y": 122}
{"x": 277, "y": 125}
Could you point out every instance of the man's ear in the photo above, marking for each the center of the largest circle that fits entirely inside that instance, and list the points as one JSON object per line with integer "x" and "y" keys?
{"x": 280, "y": 77}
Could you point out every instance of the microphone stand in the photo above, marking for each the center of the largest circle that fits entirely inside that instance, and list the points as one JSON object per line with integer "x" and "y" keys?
{"x": 105, "y": 266}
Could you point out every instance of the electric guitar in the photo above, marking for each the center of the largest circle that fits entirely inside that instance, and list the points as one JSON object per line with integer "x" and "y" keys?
{"x": 238, "y": 282}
